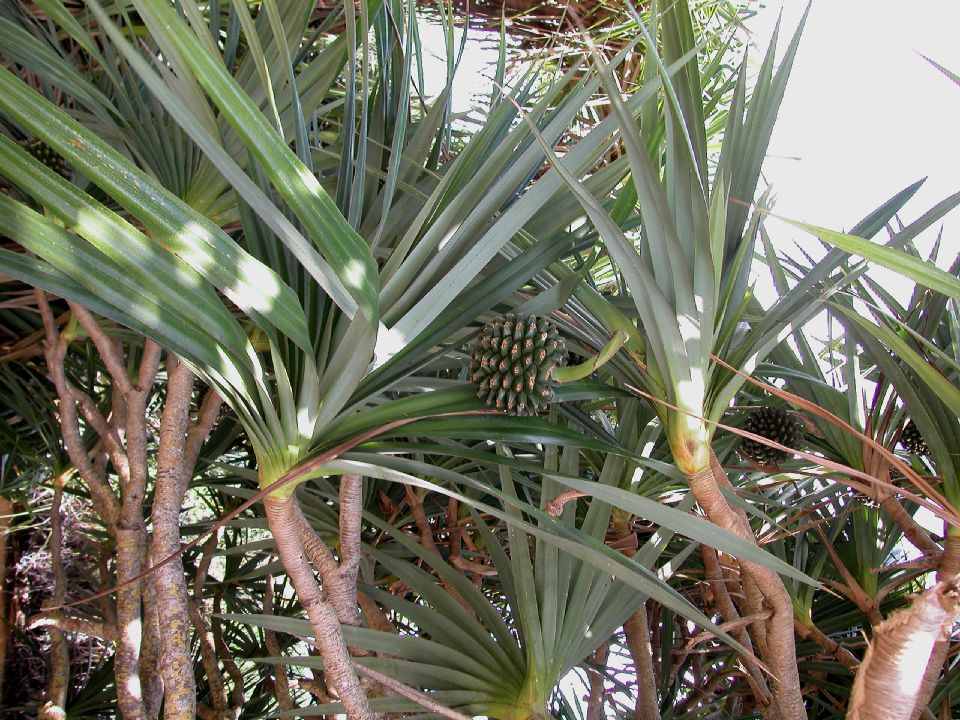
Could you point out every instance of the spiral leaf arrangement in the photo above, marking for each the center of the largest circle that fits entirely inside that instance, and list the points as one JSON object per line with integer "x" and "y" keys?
{"x": 513, "y": 360}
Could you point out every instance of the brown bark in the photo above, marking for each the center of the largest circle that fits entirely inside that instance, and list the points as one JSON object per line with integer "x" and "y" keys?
{"x": 130, "y": 462}
{"x": 949, "y": 568}
{"x": 58, "y": 681}
{"x": 6, "y": 513}
{"x": 883, "y": 492}
{"x": 130, "y": 626}
{"x": 866, "y": 603}
{"x": 150, "y": 653}
{"x": 108, "y": 610}
{"x": 67, "y": 623}
{"x": 889, "y": 682}
{"x": 208, "y": 655}
{"x": 143, "y": 652}
{"x": 281, "y": 685}
{"x": 843, "y": 656}
{"x": 376, "y": 618}
{"x": 426, "y": 539}
{"x": 105, "y": 501}
{"x": 706, "y": 693}
{"x": 173, "y": 615}
{"x": 285, "y": 524}
{"x": 752, "y": 602}
{"x": 131, "y": 531}
{"x": 637, "y": 632}
{"x": 780, "y": 652}
{"x": 913, "y": 531}
{"x": 595, "y": 698}
{"x": 55, "y": 348}
{"x": 350, "y": 514}
{"x": 226, "y": 657}
{"x": 213, "y": 650}
{"x": 728, "y": 611}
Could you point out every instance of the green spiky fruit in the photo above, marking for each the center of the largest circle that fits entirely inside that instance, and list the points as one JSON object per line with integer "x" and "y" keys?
{"x": 912, "y": 440}
{"x": 772, "y": 423}
{"x": 513, "y": 360}
{"x": 48, "y": 156}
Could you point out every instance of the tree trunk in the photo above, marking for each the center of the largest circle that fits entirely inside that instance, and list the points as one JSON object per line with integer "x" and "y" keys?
{"x": 779, "y": 647}
{"x": 281, "y": 686}
{"x": 637, "y": 632}
{"x": 890, "y": 679}
{"x": 58, "y": 682}
{"x": 282, "y": 516}
{"x": 126, "y": 663}
{"x": 595, "y": 699}
{"x": 949, "y": 568}
{"x": 172, "y": 600}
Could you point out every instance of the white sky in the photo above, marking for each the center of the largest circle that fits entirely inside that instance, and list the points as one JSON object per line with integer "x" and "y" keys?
{"x": 864, "y": 114}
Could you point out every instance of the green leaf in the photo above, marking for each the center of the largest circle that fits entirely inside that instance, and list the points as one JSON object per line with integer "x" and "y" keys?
{"x": 691, "y": 526}
{"x": 924, "y": 273}
{"x": 940, "y": 385}
{"x": 192, "y": 237}
{"x": 343, "y": 248}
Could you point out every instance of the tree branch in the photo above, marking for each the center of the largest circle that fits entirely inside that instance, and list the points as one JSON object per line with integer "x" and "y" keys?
{"x": 68, "y": 623}
{"x": 176, "y": 657}
{"x": 58, "y": 680}
{"x": 843, "y": 656}
{"x": 281, "y": 686}
{"x": 105, "y": 347}
{"x": 284, "y": 521}
{"x": 889, "y": 681}
{"x": 410, "y": 693}
{"x": 55, "y": 347}
{"x": 728, "y": 611}
{"x": 200, "y": 431}
{"x": 780, "y": 655}
{"x": 208, "y": 655}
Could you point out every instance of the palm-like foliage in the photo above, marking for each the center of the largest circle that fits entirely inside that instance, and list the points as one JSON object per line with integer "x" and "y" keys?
{"x": 276, "y": 211}
{"x": 302, "y": 273}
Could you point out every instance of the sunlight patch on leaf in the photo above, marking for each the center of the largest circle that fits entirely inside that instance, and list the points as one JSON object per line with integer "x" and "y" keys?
{"x": 390, "y": 341}
{"x": 354, "y": 273}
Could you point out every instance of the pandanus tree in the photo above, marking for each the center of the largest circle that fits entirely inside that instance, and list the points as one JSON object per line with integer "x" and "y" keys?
{"x": 879, "y": 372}
{"x": 923, "y": 374}
{"x": 688, "y": 277}
{"x": 286, "y": 221}
{"x": 689, "y": 282}
{"x": 304, "y": 306}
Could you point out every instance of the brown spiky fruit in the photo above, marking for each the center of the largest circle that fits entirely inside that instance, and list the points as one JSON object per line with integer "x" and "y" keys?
{"x": 912, "y": 440}
{"x": 48, "y": 156}
{"x": 513, "y": 360}
{"x": 45, "y": 154}
{"x": 773, "y": 423}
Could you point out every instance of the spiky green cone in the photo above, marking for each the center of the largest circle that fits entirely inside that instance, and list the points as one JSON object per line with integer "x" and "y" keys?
{"x": 513, "y": 360}
{"x": 772, "y": 423}
{"x": 912, "y": 440}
